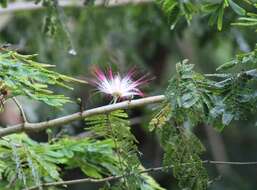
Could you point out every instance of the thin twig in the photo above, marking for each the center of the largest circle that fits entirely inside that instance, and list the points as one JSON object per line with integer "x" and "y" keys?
{"x": 30, "y": 6}
{"x": 58, "y": 122}
{"x": 22, "y": 113}
{"x": 110, "y": 178}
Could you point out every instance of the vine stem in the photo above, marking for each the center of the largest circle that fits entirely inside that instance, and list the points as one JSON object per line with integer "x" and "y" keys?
{"x": 58, "y": 122}
{"x": 110, "y": 178}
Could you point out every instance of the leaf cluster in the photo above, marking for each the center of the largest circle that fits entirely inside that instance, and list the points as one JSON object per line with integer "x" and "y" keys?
{"x": 195, "y": 98}
{"x": 52, "y": 20}
{"x": 25, "y": 163}
{"x": 115, "y": 125}
{"x": 177, "y": 9}
{"x": 182, "y": 150}
{"x": 192, "y": 99}
{"x": 185, "y": 107}
{"x": 21, "y": 75}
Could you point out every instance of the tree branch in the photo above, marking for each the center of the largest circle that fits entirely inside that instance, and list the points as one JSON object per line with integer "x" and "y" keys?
{"x": 22, "y": 112}
{"x": 29, "y": 6}
{"x": 110, "y": 178}
{"x": 34, "y": 127}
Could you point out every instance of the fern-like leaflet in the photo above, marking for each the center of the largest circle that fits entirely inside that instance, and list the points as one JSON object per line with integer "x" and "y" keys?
{"x": 116, "y": 126}
{"x": 25, "y": 163}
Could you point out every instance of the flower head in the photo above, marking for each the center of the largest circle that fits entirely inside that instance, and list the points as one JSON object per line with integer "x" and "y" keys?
{"x": 116, "y": 86}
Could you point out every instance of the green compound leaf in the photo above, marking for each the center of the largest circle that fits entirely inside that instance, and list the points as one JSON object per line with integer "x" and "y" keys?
{"x": 182, "y": 150}
{"x": 25, "y": 163}
{"x": 116, "y": 126}
{"x": 21, "y": 75}
{"x": 193, "y": 99}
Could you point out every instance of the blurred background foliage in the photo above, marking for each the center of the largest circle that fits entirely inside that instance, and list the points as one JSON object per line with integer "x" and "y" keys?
{"x": 127, "y": 36}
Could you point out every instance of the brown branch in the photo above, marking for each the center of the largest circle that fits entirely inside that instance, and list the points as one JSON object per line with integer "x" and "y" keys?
{"x": 21, "y": 110}
{"x": 110, "y": 178}
{"x": 29, "y": 6}
{"x": 34, "y": 127}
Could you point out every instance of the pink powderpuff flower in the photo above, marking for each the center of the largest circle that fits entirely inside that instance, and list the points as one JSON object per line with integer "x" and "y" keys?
{"x": 118, "y": 87}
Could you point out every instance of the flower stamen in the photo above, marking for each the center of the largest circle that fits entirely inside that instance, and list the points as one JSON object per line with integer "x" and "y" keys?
{"x": 118, "y": 87}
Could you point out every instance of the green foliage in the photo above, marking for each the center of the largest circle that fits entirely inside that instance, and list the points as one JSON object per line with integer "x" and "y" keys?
{"x": 26, "y": 163}
{"x": 52, "y": 21}
{"x": 250, "y": 20}
{"x": 115, "y": 125}
{"x": 176, "y": 9}
{"x": 55, "y": 25}
{"x": 189, "y": 95}
{"x": 242, "y": 62}
{"x": 186, "y": 105}
{"x": 162, "y": 117}
{"x": 236, "y": 8}
{"x": 217, "y": 9}
{"x": 193, "y": 99}
{"x": 20, "y": 75}
{"x": 217, "y": 12}
{"x": 182, "y": 150}
{"x": 3, "y": 3}
{"x": 237, "y": 94}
